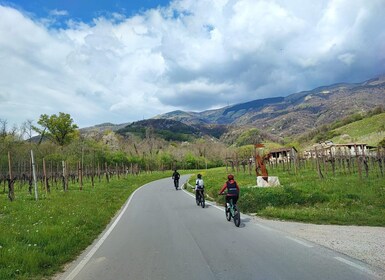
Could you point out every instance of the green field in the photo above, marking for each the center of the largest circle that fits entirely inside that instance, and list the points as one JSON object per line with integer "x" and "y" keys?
{"x": 369, "y": 130}
{"x": 341, "y": 199}
{"x": 38, "y": 237}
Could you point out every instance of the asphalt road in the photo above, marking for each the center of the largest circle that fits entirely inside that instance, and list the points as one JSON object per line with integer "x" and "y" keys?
{"x": 162, "y": 234}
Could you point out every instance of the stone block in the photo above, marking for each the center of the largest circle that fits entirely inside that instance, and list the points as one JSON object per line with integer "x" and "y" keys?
{"x": 272, "y": 181}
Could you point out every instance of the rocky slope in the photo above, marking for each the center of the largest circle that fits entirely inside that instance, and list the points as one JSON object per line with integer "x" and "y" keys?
{"x": 296, "y": 113}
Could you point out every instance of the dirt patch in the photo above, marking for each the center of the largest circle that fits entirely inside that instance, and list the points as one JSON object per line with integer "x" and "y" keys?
{"x": 366, "y": 244}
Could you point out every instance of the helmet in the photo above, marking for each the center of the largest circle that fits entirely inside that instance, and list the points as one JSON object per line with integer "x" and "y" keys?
{"x": 199, "y": 176}
{"x": 230, "y": 177}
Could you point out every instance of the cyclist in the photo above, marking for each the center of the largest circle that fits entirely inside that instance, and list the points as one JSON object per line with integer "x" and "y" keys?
{"x": 176, "y": 177}
{"x": 232, "y": 190}
{"x": 199, "y": 187}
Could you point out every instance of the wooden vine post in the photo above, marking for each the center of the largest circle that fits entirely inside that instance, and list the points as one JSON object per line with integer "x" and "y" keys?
{"x": 106, "y": 170}
{"x": 64, "y": 178}
{"x": 80, "y": 175}
{"x": 320, "y": 175}
{"x": 11, "y": 181}
{"x": 358, "y": 157}
{"x": 45, "y": 177}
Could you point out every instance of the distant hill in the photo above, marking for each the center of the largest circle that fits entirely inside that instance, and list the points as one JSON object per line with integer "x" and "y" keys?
{"x": 275, "y": 118}
{"x": 169, "y": 130}
{"x": 370, "y": 130}
{"x": 296, "y": 113}
{"x": 102, "y": 127}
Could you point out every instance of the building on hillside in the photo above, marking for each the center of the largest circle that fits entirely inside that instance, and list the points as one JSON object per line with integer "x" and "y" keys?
{"x": 285, "y": 154}
{"x": 329, "y": 149}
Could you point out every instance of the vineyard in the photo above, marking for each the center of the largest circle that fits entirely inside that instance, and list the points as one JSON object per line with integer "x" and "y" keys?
{"x": 37, "y": 173}
{"x": 57, "y": 199}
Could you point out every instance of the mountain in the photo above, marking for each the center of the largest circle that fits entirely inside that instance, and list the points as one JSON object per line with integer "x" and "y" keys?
{"x": 98, "y": 131}
{"x": 296, "y": 113}
{"x": 102, "y": 127}
{"x": 169, "y": 130}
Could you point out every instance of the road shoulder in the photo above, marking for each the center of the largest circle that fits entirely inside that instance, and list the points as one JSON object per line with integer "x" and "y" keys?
{"x": 363, "y": 243}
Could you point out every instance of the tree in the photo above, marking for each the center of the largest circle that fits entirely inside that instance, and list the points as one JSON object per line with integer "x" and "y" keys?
{"x": 245, "y": 152}
{"x": 3, "y": 128}
{"x": 250, "y": 136}
{"x": 59, "y": 129}
{"x": 26, "y": 129}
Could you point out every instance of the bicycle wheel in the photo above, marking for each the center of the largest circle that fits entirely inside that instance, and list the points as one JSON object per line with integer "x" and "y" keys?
{"x": 237, "y": 218}
{"x": 203, "y": 202}
{"x": 228, "y": 214}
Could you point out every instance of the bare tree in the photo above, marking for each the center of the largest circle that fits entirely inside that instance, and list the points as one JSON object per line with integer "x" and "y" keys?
{"x": 27, "y": 129}
{"x": 3, "y": 128}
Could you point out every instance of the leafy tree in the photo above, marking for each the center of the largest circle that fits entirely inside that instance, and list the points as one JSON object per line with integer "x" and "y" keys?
{"x": 59, "y": 129}
{"x": 191, "y": 161}
{"x": 165, "y": 160}
{"x": 251, "y": 136}
{"x": 246, "y": 151}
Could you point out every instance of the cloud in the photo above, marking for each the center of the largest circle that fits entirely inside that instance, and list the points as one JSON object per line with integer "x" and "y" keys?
{"x": 56, "y": 12}
{"x": 183, "y": 56}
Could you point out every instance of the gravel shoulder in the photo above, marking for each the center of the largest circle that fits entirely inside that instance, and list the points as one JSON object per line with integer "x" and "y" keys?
{"x": 366, "y": 244}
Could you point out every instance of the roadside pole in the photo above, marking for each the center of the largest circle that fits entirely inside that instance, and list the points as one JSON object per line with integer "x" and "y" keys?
{"x": 34, "y": 174}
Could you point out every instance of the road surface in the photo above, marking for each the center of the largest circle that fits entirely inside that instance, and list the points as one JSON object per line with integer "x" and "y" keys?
{"x": 162, "y": 234}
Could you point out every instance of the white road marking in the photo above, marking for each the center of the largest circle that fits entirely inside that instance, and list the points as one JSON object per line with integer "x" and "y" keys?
{"x": 89, "y": 255}
{"x": 299, "y": 242}
{"x": 265, "y": 227}
{"x": 360, "y": 267}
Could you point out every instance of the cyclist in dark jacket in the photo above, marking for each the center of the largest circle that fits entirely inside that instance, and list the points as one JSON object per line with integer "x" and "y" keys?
{"x": 175, "y": 177}
{"x": 232, "y": 190}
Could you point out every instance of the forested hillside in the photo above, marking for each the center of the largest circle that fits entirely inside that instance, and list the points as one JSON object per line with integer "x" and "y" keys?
{"x": 296, "y": 113}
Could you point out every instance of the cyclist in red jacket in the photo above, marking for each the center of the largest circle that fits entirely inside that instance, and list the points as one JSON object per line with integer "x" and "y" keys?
{"x": 232, "y": 190}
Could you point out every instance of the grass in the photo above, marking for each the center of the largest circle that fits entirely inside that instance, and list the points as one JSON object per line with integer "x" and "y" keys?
{"x": 368, "y": 130}
{"x": 340, "y": 199}
{"x": 38, "y": 237}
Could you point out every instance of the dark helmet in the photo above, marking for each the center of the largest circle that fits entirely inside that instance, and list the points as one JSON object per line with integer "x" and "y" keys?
{"x": 199, "y": 176}
{"x": 230, "y": 177}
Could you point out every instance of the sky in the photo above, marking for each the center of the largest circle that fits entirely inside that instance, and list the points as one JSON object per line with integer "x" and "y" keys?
{"x": 124, "y": 61}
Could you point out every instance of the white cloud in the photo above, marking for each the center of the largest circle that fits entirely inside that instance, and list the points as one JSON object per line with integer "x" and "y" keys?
{"x": 56, "y": 12}
{"x": 347, "y": 58}
{"x": 184, "y": 56}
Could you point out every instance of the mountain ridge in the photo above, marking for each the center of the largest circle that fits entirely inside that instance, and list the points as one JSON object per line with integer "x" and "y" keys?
{"x": 280, "y": 117}
{"x": 296, "y": 113}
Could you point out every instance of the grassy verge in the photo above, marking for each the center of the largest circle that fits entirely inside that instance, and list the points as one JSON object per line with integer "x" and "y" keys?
{"x": 340, "y": 199}
{"x": 38, "y": 237}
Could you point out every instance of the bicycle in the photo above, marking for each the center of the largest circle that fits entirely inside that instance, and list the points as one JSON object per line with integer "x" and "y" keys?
{"x": 200, "y": 198}
{"x": 176, "y": 184}
{"x": 232, "y": 211}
